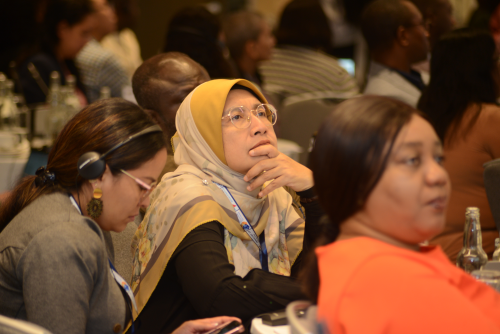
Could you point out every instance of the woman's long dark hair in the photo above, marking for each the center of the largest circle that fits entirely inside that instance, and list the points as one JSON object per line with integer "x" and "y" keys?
{"x": 463, "y": 66}
{"x": 303, "y": 23}
{"x": 349, "y": 157}
{"x": 70, "y": 11}
{"x": 98, "y": 127}
{"x": 195, "y": 32}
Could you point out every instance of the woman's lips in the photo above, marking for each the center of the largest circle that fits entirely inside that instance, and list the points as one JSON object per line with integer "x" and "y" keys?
{"x": 262, "y": 142}
{"x": 439, "y": 203}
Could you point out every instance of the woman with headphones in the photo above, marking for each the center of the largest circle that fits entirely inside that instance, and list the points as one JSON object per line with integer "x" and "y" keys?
{"x": 54, "y": 267}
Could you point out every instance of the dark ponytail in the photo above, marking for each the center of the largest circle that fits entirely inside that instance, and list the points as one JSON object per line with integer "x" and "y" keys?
{"x": 98, "y": 127}
{"x": 309, "y": 276}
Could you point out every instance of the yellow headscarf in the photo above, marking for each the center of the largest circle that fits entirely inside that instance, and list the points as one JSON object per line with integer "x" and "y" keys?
{"x": 187, "y": 198}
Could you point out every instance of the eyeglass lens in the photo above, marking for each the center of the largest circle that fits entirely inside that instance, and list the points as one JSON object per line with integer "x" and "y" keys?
{"x": 241, "y": 116}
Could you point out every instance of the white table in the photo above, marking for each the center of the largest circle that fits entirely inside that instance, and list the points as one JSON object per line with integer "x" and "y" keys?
{"x": 259, "y": 328}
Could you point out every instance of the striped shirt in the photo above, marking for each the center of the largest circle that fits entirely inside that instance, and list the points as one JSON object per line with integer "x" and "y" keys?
{"x": 299, "y": 72}
{"x": 99, "y": 68}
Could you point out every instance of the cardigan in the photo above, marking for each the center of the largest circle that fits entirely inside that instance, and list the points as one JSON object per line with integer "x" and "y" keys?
{"x": 54, "y": 270}
{"x": 199, "y": 281}
{"x": 369, "y": 286}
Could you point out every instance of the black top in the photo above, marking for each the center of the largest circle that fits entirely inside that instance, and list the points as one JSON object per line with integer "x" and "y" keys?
{"x": 45, "y": 63}
{"x": 199, "y": 282}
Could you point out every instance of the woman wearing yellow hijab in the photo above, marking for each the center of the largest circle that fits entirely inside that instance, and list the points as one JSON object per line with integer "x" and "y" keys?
{"x": 215, "y": 240}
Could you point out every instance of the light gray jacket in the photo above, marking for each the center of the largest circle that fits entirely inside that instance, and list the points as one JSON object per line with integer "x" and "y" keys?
{"x": 54, "y": 270}
{"x": 387, "y": 82}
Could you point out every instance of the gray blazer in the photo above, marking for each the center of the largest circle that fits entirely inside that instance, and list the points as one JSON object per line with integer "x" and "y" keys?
{"x": 386, "y": 82}
{"x": 54, "y": 270}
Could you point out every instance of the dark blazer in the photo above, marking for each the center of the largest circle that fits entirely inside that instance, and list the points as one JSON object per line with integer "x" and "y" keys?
{"x": 45, "y": 63}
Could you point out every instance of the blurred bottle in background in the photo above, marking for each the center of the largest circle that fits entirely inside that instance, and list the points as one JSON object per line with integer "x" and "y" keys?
{"x": 472, "y": 256}
{"x": 496, "y": 253}
{"x": 105, "y": 93}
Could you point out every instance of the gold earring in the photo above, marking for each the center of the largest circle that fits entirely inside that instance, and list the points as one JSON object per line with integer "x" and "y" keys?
{"x": 94, "y": 208}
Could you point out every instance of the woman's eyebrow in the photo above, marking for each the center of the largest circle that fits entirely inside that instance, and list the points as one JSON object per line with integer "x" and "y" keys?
{"x": 412, "y": 144}
{"x": 418, "y": 144}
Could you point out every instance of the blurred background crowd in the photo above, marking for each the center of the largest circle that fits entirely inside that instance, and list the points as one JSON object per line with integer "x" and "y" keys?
{"x": 213, "y": 33}
{"x": 437, "y": 61}
{"x": 57, "y": 56}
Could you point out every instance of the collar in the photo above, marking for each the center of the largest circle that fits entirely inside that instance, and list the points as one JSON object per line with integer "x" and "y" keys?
{"x": 75, "y": 204}
{"x": 413, "y": 77}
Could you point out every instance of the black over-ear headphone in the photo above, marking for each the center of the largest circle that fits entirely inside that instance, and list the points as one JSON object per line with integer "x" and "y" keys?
{"x": 91, "y": 165}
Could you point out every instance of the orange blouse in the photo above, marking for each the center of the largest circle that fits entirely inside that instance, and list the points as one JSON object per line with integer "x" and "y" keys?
{"x": 368, "y": 286}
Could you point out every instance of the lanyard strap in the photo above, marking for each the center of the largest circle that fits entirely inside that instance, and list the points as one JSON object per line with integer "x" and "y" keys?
{"x": 260, "y": 241}
{"x": 124, "y": 285}
{"x": 121, "y": 282}
{"x": 72, "y": 199}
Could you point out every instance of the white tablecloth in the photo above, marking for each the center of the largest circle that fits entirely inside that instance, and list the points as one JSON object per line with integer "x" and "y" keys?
{"x": 259, "y": 328}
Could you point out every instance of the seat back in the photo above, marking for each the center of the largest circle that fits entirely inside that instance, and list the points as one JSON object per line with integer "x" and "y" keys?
{"x": 301, "y": 317}
{"x": 15, "y": 326}
{"x": 491, "y": 177}
{"x": 300, "y": 120}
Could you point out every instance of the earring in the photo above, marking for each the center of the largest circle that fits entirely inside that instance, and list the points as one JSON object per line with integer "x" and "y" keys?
{"x": 94, "y": 208}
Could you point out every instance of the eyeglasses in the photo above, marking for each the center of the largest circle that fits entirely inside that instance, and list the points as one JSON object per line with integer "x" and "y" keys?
{"x": 147, "y": 188}
{"x": 241, "y": 116}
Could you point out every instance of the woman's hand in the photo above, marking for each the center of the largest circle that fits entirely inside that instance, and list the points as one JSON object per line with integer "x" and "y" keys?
{"x": 284, "y": 170}
{"x": 203, "y": 325}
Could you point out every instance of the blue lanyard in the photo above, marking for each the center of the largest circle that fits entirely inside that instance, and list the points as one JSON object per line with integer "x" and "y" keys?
{"x": 260, "y": 241}
{"x": 121, "y": 282}
{"x": 124, "y": 285}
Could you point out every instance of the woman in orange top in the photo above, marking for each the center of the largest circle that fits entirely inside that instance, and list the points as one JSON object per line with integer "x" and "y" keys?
{"x": 378, "y": 172}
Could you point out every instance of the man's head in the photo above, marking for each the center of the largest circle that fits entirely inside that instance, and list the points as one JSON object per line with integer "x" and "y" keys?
{"x": 394, "y": 28}
{"x": 105, "y": 19}
{"x": 438, "y": 17}
{"x": 162, "y": 82}
{"x": 248, "y": 35}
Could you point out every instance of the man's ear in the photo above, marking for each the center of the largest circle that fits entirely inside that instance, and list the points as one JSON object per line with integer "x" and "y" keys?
{"x": 62, "y": 27}
{"x": 402, "y": 36}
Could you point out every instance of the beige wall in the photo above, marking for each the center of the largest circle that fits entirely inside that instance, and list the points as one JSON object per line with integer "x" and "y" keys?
{"x": 156, "y": 14}
{"x": 271, "y": 9}
{"x": 153, "y": 20}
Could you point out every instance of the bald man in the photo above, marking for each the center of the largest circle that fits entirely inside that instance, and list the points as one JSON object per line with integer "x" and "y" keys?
{"x": 160, "y": 85}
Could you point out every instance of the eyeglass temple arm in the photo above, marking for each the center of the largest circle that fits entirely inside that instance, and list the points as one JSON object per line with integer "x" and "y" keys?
{"x": 143, "y": 184}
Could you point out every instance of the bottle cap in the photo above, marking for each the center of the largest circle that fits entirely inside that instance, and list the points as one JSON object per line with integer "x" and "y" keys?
{"x": 472, "y": 210}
